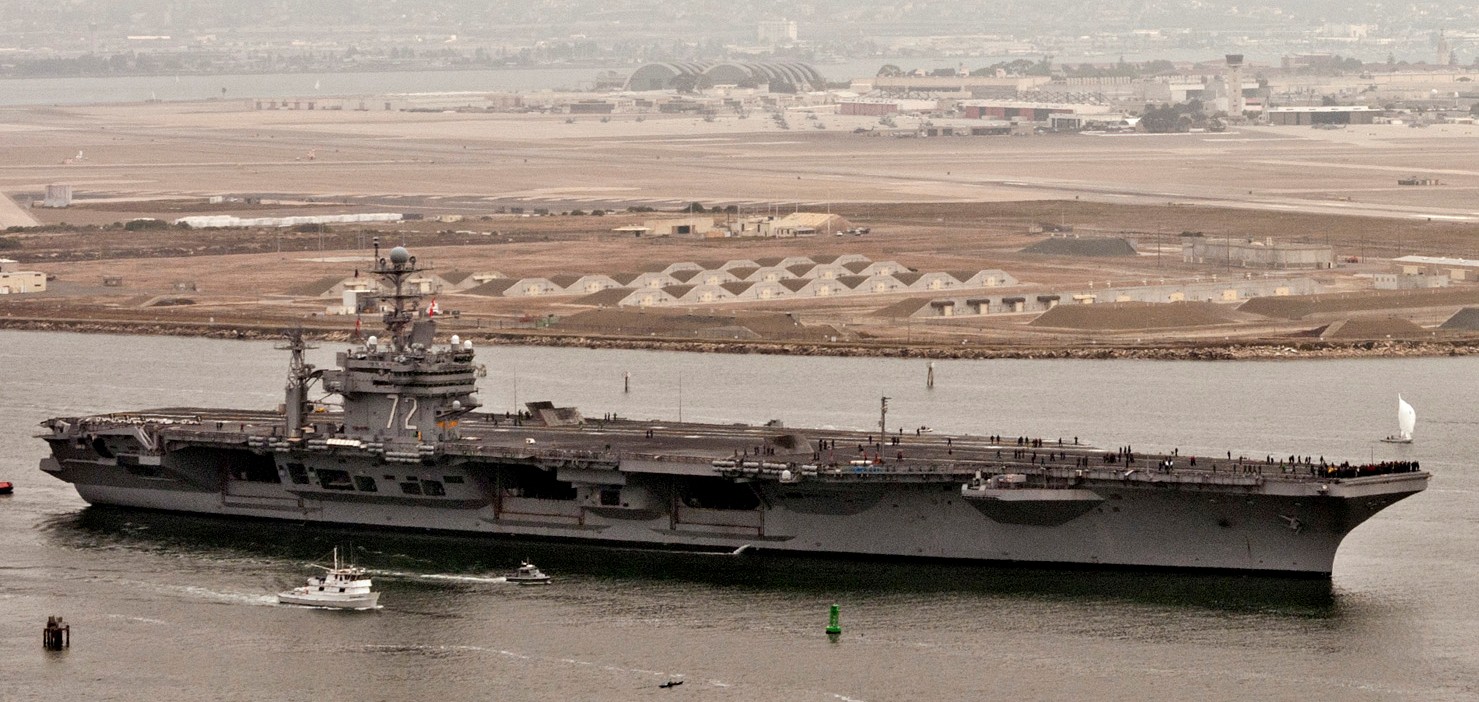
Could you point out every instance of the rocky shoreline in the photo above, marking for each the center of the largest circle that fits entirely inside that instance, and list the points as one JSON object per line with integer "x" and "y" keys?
{"x": 1182, "y": 351}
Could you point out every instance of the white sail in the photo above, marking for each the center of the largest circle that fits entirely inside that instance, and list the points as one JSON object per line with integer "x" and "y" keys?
{"x": 1406, "y": 418}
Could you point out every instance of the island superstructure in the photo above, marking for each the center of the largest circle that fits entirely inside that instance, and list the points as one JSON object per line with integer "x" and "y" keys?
{"x": 406, "y": 447}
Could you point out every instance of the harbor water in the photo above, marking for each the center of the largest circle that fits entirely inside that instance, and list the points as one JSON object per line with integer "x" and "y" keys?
{"x": 176, "y": 607}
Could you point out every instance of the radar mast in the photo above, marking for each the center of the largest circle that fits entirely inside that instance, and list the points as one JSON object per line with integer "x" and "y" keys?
{"x": 395, "y": 269}
{"x": 301, "y": 374}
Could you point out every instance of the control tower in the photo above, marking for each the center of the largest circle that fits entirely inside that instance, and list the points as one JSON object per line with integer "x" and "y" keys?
{"x": 1234, "y": 80}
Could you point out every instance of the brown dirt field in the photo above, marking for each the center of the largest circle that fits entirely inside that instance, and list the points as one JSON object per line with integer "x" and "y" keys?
{"x": 245, "y": 286}
{"x": 1300, "y": 307}
{"x": 1389, "y": 328}
{"x": 1136, "y": 316}
{"x": 933, "y": 204}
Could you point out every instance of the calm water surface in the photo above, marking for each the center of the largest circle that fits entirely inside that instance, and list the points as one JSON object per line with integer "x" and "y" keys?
{"x": 181, "y": 608}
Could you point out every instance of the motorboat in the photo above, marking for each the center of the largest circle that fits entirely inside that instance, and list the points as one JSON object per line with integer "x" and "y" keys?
{"x": 6, "y": 487}
{"x": 1406, "y": 422}
{"x": 528, "y": 574}
{"x": 343, "y": 586}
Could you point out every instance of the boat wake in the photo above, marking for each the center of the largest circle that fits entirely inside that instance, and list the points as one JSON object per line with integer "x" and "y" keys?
{"x": 494, "y": 579}
{"x": 141, "y": 620}
{"x": 202, "y": 593}
{"x": 490, "y": 579}
{"x": 439, "y": 650}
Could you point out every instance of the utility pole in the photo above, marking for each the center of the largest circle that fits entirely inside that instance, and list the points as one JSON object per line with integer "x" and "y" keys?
{"x": 829, "y": 209}
{"x": 883, "y": 418}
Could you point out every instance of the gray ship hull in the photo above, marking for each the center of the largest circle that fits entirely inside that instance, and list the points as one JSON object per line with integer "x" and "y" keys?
{"x": 1253, "y": 525}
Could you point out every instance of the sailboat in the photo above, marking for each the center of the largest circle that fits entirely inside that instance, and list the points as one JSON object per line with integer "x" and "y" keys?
{"x": 1406, "y": 422}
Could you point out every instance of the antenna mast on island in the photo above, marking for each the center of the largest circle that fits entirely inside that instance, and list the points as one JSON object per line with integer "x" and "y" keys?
{"x": 301, "y": 374}
{"x": 395, "y": 270}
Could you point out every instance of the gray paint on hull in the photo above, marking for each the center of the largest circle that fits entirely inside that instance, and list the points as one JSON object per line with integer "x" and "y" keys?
{"x": 1142, "y": 528}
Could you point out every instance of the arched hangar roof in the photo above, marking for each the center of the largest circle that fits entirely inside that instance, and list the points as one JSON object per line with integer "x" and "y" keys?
{"x": 793, "y": 74}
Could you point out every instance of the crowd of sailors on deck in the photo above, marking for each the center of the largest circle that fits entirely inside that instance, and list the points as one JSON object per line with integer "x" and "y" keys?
{"x": 871, "y": 451}
{"x": 1318, "y": 467}
{"x": 1029, "y": 441}
{"x": 1346, "y": 470}
{"x": 1292, "y": 465}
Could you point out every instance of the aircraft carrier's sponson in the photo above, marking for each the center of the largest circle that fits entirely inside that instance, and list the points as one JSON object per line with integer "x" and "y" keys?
{"x": 409, "y": 450}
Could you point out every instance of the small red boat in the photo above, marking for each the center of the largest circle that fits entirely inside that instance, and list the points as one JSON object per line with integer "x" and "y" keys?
{"x": 6, "y": 488}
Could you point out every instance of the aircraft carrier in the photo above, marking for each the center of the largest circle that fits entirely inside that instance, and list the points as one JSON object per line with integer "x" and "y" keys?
{"x": 392, "y": 437}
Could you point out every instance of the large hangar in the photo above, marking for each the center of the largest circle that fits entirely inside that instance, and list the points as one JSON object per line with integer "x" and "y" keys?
{"x": 1323, "y": 114}
{"x": 786, "y": 76}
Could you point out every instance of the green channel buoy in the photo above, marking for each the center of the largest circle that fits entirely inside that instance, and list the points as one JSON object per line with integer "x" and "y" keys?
{"x": 834, "y": 628}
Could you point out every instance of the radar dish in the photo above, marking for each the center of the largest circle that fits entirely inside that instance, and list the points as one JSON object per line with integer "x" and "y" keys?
{"x": 399, "y": 255}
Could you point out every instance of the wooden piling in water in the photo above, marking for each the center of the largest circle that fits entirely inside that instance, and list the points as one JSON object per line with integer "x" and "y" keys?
{"x": 57, "y": 635}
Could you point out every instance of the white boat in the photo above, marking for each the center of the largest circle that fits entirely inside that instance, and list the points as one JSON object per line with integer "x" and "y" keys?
{"x": 344, "y": 586}
{"x": 1406, "y": 422}
{"x": 528, "y": 574}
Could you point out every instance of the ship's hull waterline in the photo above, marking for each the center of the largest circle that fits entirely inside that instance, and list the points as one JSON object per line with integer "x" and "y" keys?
{"x": 1202, "y": 527}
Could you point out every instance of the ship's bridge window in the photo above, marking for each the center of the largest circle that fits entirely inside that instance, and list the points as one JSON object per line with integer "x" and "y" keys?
{"x": 365, "y": 483}
{"x": 433, "y": 488}
{"x": 411, "y": 487}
